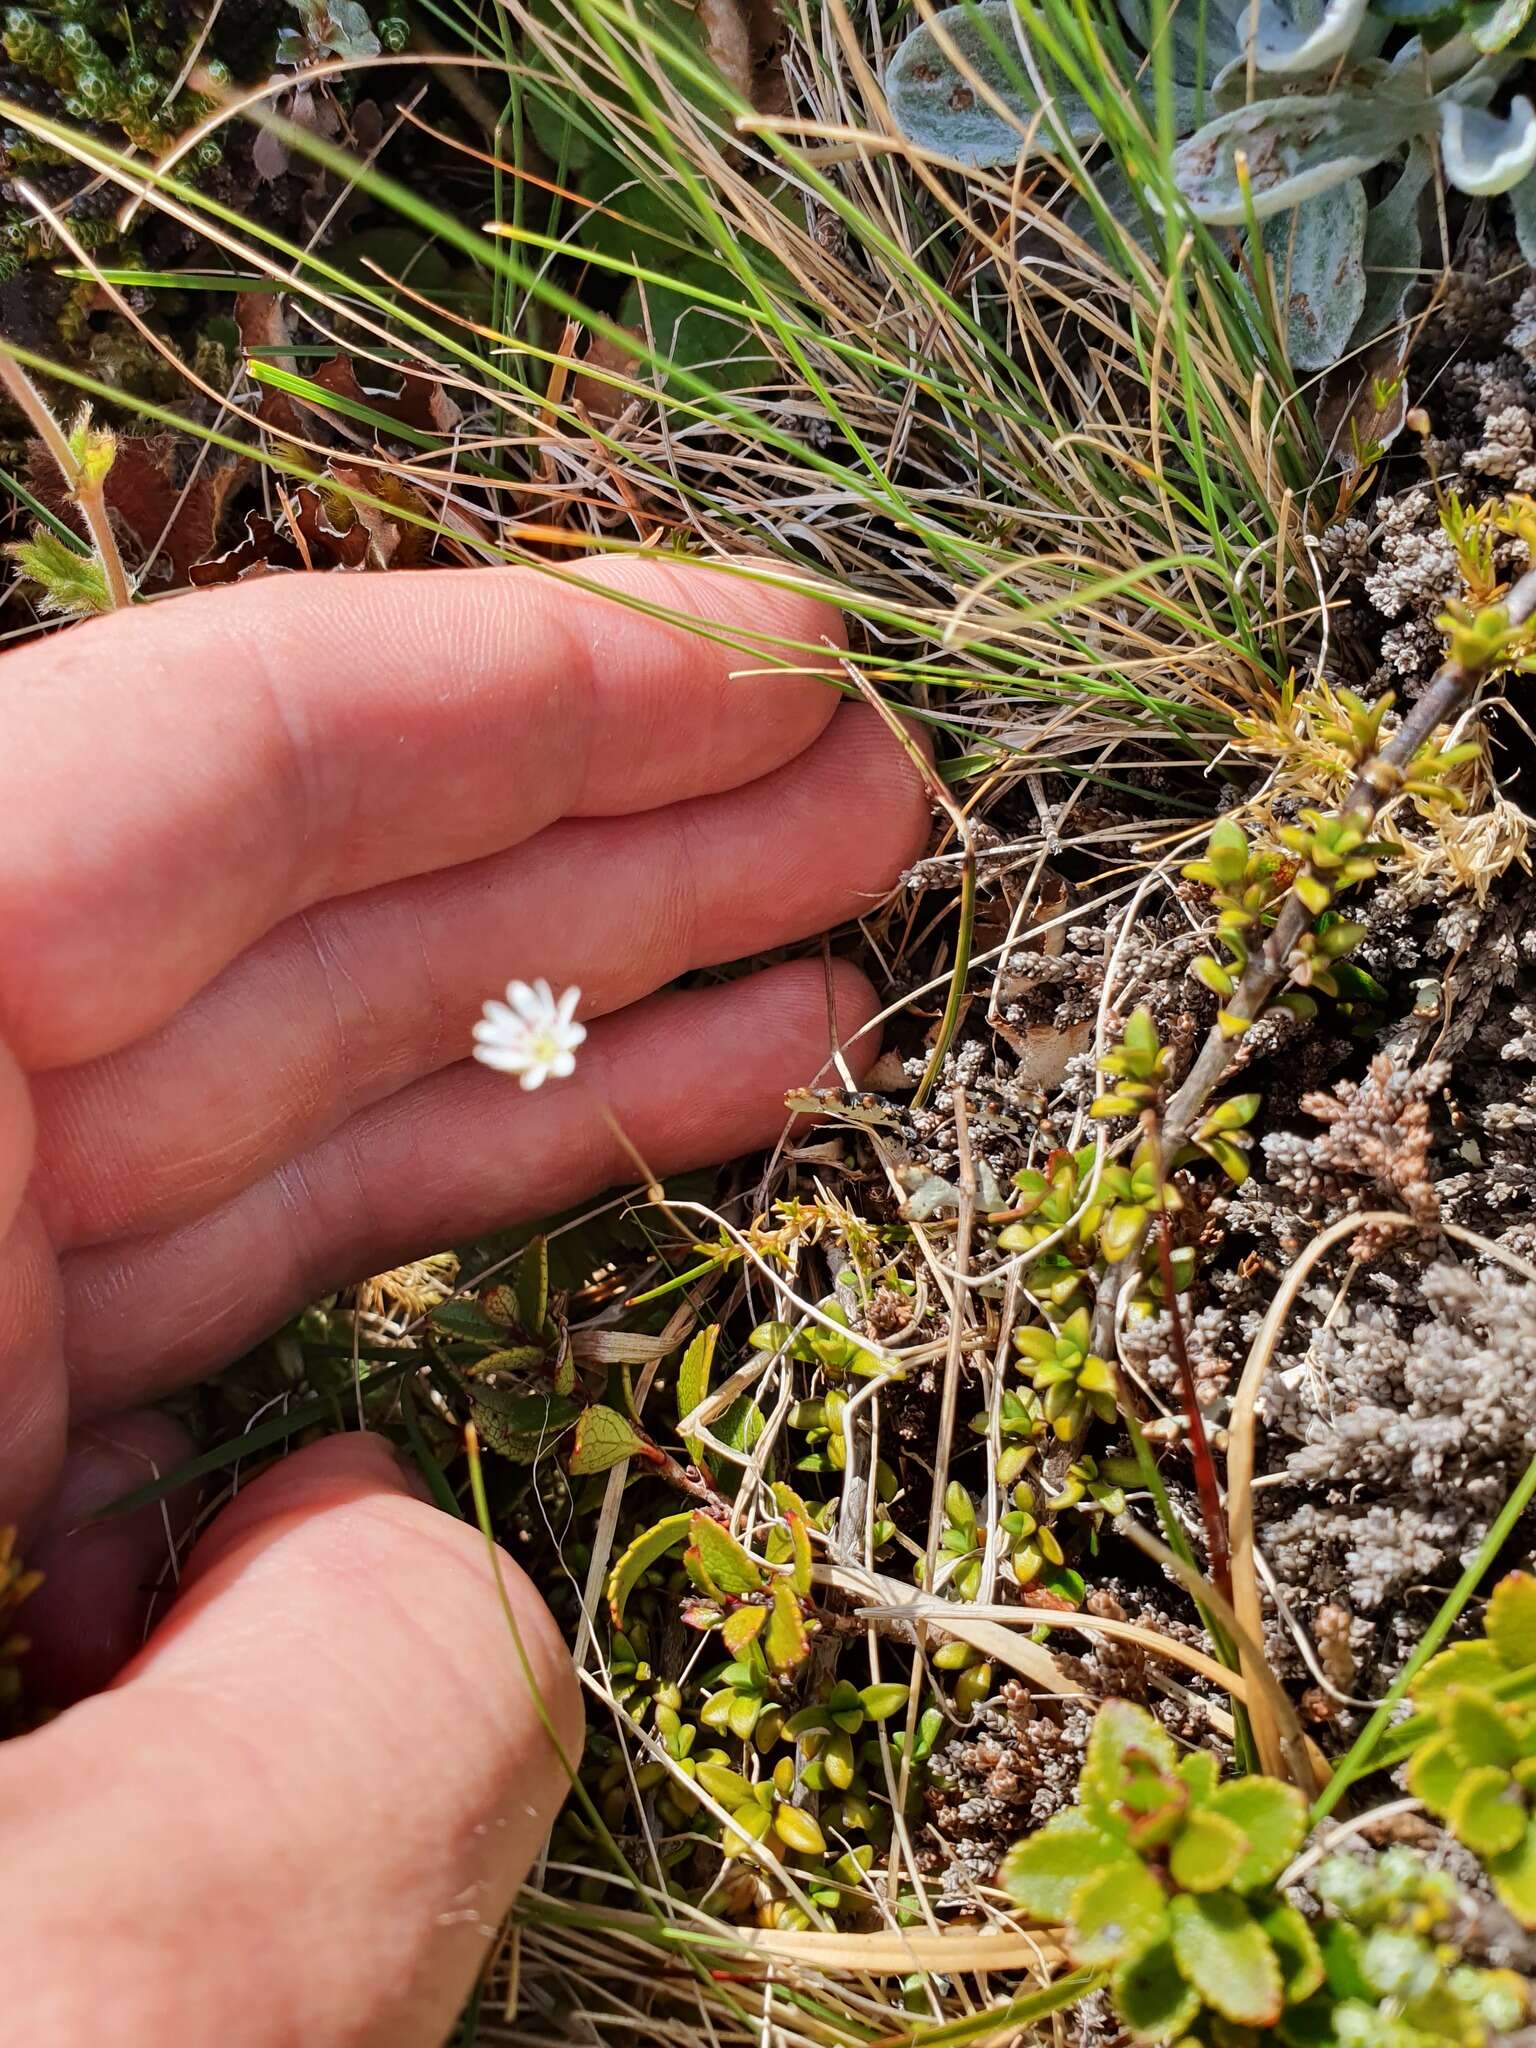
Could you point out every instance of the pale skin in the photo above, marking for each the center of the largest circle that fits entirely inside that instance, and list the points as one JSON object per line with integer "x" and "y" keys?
{"x": 263, "y": 853}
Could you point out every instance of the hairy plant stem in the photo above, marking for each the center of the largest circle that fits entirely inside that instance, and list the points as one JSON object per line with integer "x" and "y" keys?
{"x": 1376, "y": 783}
{"x": 90, "y": 497}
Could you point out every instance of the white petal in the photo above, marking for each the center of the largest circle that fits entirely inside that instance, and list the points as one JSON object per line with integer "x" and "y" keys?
{"x": 525, "y": 1001}
{"x": 566, "y": 1012}
{"x": 534, "y": 1077}
{"x": 562, "y": 1064}
{"x": 497, "y": 1013}
{"x": 575, "y": 1034}
{"x": 545, "y": 994}
{"x": 502, "y": 1058}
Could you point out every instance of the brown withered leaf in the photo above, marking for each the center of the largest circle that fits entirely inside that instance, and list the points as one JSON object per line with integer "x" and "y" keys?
{"x": 155, "y": 508}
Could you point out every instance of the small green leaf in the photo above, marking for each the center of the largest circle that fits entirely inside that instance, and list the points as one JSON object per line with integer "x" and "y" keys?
{"x": 1272, "y": 1817}
{"x": 1043, "y": 1872}
{"x": 1487, "y": 1812}
{"x": 1472, "y": 1664}
{"x": 1200, "y": 1772}
{"x": 693, "y": 1380}
{"x": 785, "y": 1641}
{"x": 73, "y": 586}
{"x": 716, "y": 1562}
{"x": 648, "y": 1547}
{"x": 1119, "y": 1911}
{"x": 881, "y": 1701}
{"x": 1125, "y": 1744}
{"x": 1296, "y": 1949}
{"x": 728, "y": 1786}
{"x": 1514, "y": 1877}
{"x": 1434, "y": 1773}
{"x": 1478, "y": 1728}
{"x": 793, "y": 1825}
{"x": 1227, "y": 1956}
{"x": 797, "y": 1519}
{"x": 1511, "y": 1622}
{"x": 1207, "y": 1852}
{"x": 604, "y": 1438}
{"x": 1151, "y": 1995}
{"x": 533, "y": 1286}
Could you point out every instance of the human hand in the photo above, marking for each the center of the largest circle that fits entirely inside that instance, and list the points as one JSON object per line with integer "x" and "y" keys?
{"x": 262, "y": 856}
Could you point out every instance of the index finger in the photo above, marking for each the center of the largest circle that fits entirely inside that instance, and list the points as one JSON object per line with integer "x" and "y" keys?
{"x": 178, "y": 779}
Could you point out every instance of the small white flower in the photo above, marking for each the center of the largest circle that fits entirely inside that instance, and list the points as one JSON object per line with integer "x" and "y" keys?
{"x": 530, "y": 1034}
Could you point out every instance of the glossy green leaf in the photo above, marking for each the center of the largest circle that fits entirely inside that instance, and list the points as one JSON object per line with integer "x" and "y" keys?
{"x": 1471, "y": 1664}
{"x": 881, "y": 1701}
{"x": 797, "y": 1521}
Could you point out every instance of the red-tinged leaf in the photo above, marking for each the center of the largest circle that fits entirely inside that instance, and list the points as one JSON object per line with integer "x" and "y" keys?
{"x": 792, "y": 1507}
{"x": 785, "y": 1640}
{"x": 743, "y": 1627}
{"x": 647, "y": 1549}
{"x": 717, "y": 1563}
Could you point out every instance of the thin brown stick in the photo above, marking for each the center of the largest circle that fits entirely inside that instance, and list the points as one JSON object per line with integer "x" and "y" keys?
{"x": 1377, "y": 782}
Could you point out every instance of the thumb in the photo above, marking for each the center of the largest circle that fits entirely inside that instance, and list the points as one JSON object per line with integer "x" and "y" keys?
{"x": 303, "y": 1809}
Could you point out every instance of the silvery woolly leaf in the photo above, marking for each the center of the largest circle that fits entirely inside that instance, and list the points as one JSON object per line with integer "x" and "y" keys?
{"x": 1484, "y": 153}
{"x": 1203, "y": 40}
{"x": 1394, "y": 247}
{"x": 1289, "y": 37}
{"x": 1294, "y": 148}
{"x": 1523, "y": 201}
{"x": 936, "y": 105}
{"x": 1316, "y": 254}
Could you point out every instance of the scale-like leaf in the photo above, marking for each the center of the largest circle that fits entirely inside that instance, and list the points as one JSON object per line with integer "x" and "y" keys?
{"x": 604, "y": 1438}
{"x": 936, "y": 104}
{"x": 647, "y": 1549}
